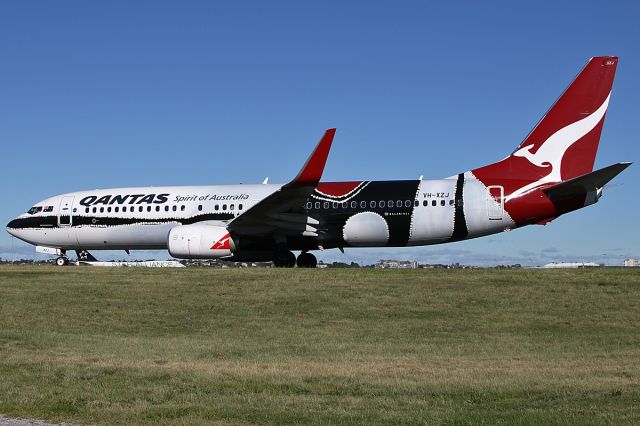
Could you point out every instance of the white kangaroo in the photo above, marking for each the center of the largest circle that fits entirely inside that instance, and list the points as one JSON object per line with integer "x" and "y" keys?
{"x": 552, "y": 150}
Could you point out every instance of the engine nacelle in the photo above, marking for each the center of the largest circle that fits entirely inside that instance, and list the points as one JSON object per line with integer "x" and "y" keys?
{"x": 200, "y": 241}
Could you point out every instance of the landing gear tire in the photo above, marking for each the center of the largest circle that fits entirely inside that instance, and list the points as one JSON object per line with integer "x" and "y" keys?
{"x": 284, "y": 259}
{"x": 307, "y": 260}
{"x": 62, "y": 261}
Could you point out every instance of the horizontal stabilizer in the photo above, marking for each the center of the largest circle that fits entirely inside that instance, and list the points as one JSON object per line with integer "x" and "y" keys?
{"x": 586, "y": 183}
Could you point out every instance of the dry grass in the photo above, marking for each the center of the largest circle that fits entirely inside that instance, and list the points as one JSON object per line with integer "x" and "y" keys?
{"x": 123, "y": 346}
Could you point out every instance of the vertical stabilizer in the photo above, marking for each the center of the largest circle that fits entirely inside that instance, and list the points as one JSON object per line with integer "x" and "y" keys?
{"x": 564, "y": 143}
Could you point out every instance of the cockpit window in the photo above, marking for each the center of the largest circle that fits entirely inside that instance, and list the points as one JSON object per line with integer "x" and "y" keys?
{"x": 48, "y": 209}
{"x": 34, "y": 210}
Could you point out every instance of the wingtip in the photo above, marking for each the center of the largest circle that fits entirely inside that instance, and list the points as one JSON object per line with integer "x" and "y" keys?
{"x": 311, "y": 172}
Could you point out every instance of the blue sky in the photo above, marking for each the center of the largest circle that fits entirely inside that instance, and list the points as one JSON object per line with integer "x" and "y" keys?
{"x": 112, "y": 94}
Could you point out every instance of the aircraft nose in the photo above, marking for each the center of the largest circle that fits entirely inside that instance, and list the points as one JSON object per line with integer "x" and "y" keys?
{"x": 13, "y": 226}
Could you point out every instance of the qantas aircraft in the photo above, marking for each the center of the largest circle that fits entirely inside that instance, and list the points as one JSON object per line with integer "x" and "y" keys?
{"x": 549, "y": 174}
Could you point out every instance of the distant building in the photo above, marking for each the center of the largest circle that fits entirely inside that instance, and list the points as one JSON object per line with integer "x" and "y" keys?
{"x": 572, "y": 265}
{"x": 396, "y": 264}
{"x": 633, "y": 263}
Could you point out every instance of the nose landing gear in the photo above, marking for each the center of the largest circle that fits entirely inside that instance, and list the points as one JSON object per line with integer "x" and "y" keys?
{"x": 62, "y": 261}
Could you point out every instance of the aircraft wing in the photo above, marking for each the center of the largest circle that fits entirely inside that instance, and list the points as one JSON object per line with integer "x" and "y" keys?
{"x": 282, "y": 212}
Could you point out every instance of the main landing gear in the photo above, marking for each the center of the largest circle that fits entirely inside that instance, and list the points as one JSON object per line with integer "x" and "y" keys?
{"x": 286, "y": 259}
{"x": 307, "y": 260}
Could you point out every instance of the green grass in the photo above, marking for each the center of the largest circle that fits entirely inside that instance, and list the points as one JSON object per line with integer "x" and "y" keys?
{"x": 193, "y": 346}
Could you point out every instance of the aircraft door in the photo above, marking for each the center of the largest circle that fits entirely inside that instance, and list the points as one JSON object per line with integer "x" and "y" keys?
{"x": 65, "y": 213}
{"x": 495, "y": 202}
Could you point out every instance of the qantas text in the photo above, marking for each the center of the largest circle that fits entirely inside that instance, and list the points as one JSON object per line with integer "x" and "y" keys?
{"x": 93, "y": 200}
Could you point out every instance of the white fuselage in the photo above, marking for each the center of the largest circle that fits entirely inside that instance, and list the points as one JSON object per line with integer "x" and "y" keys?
{"x": 141, "y": 218}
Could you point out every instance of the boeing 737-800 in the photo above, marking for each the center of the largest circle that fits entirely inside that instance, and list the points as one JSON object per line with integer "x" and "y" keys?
{"x": 549, "y": 174}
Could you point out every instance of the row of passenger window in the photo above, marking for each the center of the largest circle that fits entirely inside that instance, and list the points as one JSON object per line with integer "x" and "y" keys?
{"x": 131, "y": 209}
{"x": 374, "y": 204}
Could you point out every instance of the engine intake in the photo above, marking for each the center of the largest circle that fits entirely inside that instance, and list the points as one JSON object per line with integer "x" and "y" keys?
{"x": 200, "y": 241}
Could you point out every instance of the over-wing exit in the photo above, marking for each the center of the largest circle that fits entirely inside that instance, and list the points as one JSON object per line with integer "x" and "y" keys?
{"x": 549, "y": 174}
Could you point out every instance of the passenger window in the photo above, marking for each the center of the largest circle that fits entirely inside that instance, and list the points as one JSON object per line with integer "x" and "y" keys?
{"x": 399, "y": 203}
{"x": 416, "y": 203}
{"x": 354, "y": 204}
{"x": 108, "y": 209}
{"x": 381, "y": 204}
{"x": 166, "y": 208}
{"x": 199, "y": 207}
{"x": 95, "y": 209}
{"x": 140, "y": 209}
{"x": 175, "y": 208}
{"x": 334, "y": 205}
{"x": 182, "y": 208}
{"x": 148, "y": 208}
{"x": 451, "y": 202}
{"x": 307, "y": 206}
{"x": 157, "y": 208}
{"x": 442, "y": 202}
{"x": 86, "y": 210}
{"x": 425, "y": 203}
{"x": 407, "y": 203}
{"x": 232, "y": 206}
{"x": 372, "y": 204}
{"x": 363, "y": 204}
{"x": 101, "y": 209}
{"x": 433, "y": 203}
{"x": 345, "y": 204}
{"x": 224, "y": 207}
{"x": 317, "y": 205}
{"x": 216, "y": 207}
{"x": 239, "y": 206}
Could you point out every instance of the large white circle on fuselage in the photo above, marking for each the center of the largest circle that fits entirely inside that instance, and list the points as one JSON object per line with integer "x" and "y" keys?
{"x": 366, "y": 229}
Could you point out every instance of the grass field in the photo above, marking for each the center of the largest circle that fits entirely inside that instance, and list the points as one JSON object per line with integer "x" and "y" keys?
{"x": 193, "y": 346}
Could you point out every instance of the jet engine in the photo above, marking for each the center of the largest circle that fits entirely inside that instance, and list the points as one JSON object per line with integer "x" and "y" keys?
{"x": 200, "y": 241}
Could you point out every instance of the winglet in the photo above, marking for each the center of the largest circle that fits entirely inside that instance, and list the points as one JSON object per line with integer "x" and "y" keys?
{"x": 311, "y": 172}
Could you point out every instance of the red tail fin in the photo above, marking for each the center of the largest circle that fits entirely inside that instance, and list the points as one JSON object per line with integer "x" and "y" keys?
{"x": 564, "y": 143}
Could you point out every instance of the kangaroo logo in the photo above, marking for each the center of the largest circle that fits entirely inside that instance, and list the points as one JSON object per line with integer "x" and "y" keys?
{"x": 551, "y": 152}
{"x": 223, "y": 243}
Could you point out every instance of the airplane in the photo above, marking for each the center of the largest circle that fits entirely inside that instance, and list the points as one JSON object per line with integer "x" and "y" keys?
{"x": 549, "y": 174}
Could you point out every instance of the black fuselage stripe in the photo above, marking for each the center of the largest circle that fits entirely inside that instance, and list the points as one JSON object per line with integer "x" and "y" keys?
{"x": 105, "y": 221}
{"x": 460, "y": 231}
